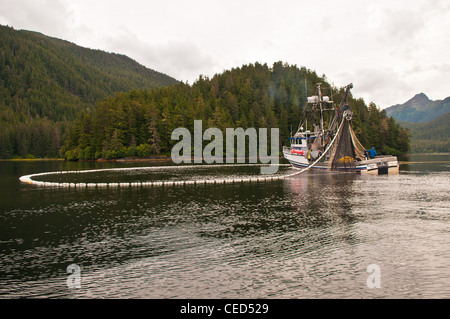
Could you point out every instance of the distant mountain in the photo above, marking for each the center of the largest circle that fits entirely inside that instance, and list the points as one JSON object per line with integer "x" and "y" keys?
{"x": 45, "y": 82}
{"x": 53, "y": 78}
{"x": 419, "y": 109}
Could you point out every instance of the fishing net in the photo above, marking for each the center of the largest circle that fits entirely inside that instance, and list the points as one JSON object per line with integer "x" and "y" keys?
{"x": 317, "y": 145}
{"x": 359, "y": 149}
{"x": 343, "y": 156}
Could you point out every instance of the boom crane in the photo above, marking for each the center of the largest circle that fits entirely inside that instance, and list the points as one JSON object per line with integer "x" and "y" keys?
{"x": 340, "y": 110}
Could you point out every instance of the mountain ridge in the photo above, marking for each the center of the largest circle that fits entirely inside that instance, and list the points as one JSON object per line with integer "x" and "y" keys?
{"x": 419, "y": 109}
{"x": 59, "y": 99}
{"x": 45, "y": 82}
{"x": 427, "y": 120}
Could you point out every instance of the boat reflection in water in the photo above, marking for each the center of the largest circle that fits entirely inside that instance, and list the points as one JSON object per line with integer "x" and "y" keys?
{"x": 323, "y": 198}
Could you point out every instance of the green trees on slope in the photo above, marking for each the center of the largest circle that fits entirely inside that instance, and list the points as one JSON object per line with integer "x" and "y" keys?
{"x": 140, "y": 123}
{"x": 59, "y": 99}
{"x": 430, "y": 137}
{"x": 45, "y": 82}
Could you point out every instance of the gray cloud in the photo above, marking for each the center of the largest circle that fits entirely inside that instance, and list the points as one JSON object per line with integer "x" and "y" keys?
{"x": 40, "y": 15}
{"x": 390, "y": 50}
{"x": 179, "y": 59}
{"x": 383, "y": 86}
{"x": 401, "y": 25}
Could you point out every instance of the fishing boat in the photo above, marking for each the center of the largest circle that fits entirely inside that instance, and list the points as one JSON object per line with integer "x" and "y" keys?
{"x": 336, "y": 147}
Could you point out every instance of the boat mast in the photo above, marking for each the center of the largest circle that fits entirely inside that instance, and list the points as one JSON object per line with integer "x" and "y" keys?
{"x": 340, "y": 109}
{"x": 306, "y": 111}
{"x": 315, "y": 100}
{"x": 319, "y": 92}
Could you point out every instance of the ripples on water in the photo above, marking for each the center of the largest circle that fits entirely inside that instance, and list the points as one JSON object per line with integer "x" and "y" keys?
{"x": 311, "y": 236}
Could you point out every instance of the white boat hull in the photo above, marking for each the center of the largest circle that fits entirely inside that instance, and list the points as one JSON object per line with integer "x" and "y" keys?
{"x": 378, "y": 165}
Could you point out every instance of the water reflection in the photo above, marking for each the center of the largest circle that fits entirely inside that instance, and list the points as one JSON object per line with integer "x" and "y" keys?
{"x": 308, "y": 236}
{"x": 323, "y": 198}
{"x": 424, "y": 164}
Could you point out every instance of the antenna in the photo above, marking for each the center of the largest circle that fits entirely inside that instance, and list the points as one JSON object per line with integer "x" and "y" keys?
{"x": 306, "y": 90}
{"x": 331, "y": 90}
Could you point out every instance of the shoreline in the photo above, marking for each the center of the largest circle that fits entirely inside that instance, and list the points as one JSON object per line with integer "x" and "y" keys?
{"x": 125, "y": 159}
{"x": 30, "y": 159}
{"x": 428, "y": 153}
{"x": 158, "y": 158}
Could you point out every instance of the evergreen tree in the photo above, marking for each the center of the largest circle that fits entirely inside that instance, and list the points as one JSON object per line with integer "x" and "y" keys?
{"x": 141, "y": 122}
{"x": 46, "y": 82}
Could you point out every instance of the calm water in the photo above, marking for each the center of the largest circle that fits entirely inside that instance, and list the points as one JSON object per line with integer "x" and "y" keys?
{"x": 312, "y": 236}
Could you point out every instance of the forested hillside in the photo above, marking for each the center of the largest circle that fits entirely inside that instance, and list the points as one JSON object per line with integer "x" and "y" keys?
{"x": 140, "y": 123}
{"x": 433, "y": 136}
{"x": 428, "y": 122}
{"x": 45, "y": 82}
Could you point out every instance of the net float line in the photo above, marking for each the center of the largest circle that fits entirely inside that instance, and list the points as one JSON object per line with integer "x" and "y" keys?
{"x": 29, "y": 179}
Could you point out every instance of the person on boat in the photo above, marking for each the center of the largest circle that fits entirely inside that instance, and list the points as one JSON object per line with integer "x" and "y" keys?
{"x": 371, "y": 153}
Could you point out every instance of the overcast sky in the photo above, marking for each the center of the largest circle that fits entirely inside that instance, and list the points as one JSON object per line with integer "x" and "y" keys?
{"x": 390, "y": 50}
